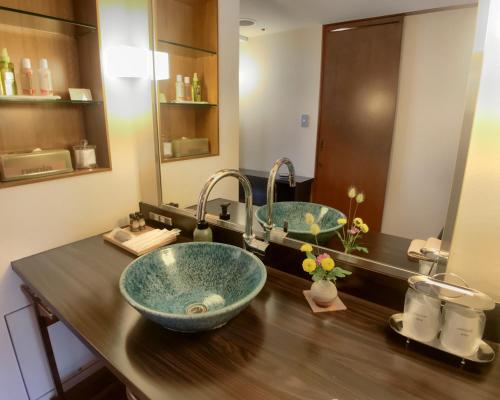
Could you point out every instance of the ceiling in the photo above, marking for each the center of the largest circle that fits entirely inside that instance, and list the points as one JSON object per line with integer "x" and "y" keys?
{"x": 282, "y": 15}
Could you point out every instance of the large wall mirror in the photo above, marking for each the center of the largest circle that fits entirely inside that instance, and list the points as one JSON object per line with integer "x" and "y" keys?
{"x": 371, "y": 97}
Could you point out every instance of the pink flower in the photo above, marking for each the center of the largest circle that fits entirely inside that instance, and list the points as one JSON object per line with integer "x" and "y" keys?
{"x": 353, "y": 231}
{"x": 321, "y": 257}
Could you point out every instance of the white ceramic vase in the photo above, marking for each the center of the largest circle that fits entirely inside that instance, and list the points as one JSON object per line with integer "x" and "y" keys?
{"x": 323, "y": 293}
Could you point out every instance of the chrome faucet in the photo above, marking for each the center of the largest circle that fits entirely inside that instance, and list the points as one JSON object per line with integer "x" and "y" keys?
{"x": 268, "y": 226}
{"x": 249, "y": 241}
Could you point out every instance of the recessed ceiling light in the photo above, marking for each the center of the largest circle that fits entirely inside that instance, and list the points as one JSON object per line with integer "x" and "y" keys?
{"x": 247, "y": 22}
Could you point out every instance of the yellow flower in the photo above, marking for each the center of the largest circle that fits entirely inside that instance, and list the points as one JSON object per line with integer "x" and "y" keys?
{"x": 364, "y": 228}
{"x": 341, "y": 221}
{"x": 360, "y": 197}
{"x": 309, "y": 219}
{"x": 351, "y": 192}
{"x": 315, "y": 229}
{"x": 306, "y": 248}
{"x": 327, "y": 264}
{"x": 309, "y": 265}
{"x": 357, "y": 222}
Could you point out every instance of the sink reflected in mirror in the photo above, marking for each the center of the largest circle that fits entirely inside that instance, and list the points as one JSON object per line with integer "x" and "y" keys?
{"x": 193, "y": 287}
{"x": 292, "y": 214}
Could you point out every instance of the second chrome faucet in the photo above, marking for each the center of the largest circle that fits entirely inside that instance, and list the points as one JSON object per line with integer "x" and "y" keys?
{"x": 271, "y": 183}
{"x": 249, "y": 240}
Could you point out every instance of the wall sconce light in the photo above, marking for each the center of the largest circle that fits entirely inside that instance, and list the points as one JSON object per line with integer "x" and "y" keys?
{"x": 135, "y": 62}
{"x": 162, "y": 68}
{"x": 126, "y": 62}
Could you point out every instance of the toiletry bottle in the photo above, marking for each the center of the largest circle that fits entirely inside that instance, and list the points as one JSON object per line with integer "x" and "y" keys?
{"x": 142, "y": 221}
{"x": 45, "y": 78}
{"x": 7, "y": 74}
{"x": 134, "y": 223}
{"x": 196, "y": 88}
{"x": 202, "y": 233}
{"x": 179, "y": 89}
{"x": 187, "y": 89}
{"x": 27, "y": 77}
{"x": 14, "y": 81}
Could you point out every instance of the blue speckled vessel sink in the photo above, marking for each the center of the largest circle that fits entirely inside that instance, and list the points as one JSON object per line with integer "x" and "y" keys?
{"x": 193, "y": 287}
{"x": 294, "y": 212}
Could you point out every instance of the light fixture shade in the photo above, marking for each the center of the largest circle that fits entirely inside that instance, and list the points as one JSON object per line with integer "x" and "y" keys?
{"x": 162, "y": 68}
{"x": 126, "y": 62}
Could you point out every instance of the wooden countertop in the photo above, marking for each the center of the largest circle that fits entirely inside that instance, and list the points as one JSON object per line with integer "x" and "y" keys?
{"x": 275, "y": 349}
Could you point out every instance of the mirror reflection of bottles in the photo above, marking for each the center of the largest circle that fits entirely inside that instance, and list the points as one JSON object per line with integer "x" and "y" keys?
{"x": 196, "y": 88}
{"x": 179, "y": 89}
{"x": 422, "y": 316}
{"x": 462, "y": 330}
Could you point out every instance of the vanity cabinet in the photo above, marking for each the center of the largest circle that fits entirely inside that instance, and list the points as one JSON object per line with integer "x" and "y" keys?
{"x": 188, "y": 31}
{"x": 258, "y": 179}
{"x": 65, "y": 32}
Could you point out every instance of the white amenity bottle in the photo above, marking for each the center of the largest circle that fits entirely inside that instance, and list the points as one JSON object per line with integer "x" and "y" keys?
{"x": 179, "y": 89}
{"x": 45, "y": 78}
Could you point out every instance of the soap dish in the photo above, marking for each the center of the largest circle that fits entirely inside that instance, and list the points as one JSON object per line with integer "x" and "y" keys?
{"x": 483, "y": 354}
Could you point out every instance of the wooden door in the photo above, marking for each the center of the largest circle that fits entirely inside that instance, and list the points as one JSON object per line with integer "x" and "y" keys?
{"x": 360, "y": 71}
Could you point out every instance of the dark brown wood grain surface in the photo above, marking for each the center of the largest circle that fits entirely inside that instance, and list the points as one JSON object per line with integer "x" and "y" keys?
{"x": 275, "y": 349}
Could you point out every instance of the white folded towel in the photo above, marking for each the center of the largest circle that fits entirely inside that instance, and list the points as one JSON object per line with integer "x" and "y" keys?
{"x": 152, "y": 238}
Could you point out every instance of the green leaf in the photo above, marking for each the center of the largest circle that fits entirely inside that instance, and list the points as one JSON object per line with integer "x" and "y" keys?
{"x": 362, "y": 249}
{"x": 310, "y": 255}
{"x": 343, "y": 271}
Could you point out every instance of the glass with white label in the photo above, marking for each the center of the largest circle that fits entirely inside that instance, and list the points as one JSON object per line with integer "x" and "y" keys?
{"x": 462, "y": 330}
{"x": 421, "y": 317}
{"x": 85, "y": 157}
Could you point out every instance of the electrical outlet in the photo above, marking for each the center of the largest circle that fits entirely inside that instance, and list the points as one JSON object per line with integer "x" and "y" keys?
{"x": 166, "y": 220}
{"x": 160, "y": 218}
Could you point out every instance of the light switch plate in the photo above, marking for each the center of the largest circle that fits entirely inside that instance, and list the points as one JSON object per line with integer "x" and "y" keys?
{"x": 304, "y": 120}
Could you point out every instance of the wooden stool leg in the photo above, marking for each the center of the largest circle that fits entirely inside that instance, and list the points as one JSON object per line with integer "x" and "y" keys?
{"x": 45, "y": 319}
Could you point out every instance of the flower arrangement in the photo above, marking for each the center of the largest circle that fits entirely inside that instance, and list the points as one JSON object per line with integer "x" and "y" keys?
{"x": 353, "y": 228}
{"x": 319, "y": 266}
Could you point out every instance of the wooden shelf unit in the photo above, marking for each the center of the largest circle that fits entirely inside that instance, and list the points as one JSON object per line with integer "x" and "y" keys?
{"x": 188, "y": 31}
{"x": 65, "y": 32}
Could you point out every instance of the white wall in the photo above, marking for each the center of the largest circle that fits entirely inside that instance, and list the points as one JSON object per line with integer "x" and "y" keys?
{"x": 183, "y": 180}
{"x": 435, "y": 60}
{"x": 279, "y": 81}
{"x": 475, "y": 241}
{"x": 44, "y": 215}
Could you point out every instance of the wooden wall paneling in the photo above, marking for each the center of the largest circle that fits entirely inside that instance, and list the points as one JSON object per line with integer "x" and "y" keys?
{"x": 175, "y": 19}
{"x": 189, "y": 22}
{"x": 96, "y": 133}
{"x": 207, "y": 126}
{"x": 206, "y": 31}
{"x": 85, "y": 11}
{"x": 25, "y": 127}
{"x": 57, "y": 8}
{"x": 360, "y": 71}
{"x": 178, "y": 122}
{"x": 90, "y": 64}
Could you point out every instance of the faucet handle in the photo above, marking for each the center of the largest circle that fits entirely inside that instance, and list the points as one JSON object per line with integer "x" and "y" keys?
{"x": 224, "y": 215}
{"x": 255, "y": 245}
